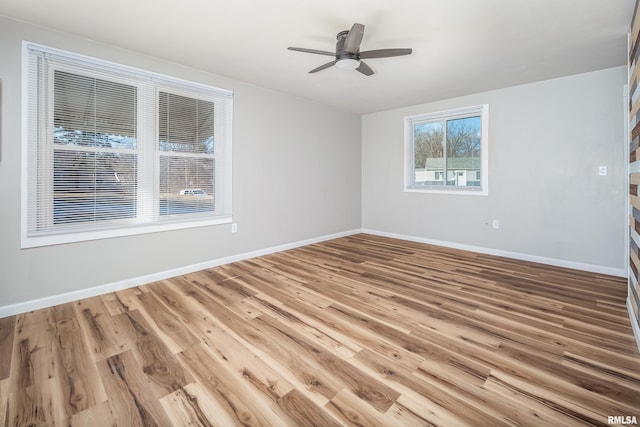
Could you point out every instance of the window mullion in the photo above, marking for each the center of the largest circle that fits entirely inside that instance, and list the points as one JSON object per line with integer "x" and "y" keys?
{"x": 445, "y": 157}
{"x": 412, "y": 157}
{"x": 147, "y": 154}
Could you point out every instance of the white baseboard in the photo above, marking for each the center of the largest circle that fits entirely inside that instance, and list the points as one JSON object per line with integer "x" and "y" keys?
{"x": 23, "y": 307}
{"x": 620, "y": 272}
{"x": 634, "y": 323}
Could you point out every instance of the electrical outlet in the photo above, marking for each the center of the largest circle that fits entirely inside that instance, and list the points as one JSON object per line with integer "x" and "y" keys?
{"x": 602, "y": 171}
{"x": 496, "y": 224}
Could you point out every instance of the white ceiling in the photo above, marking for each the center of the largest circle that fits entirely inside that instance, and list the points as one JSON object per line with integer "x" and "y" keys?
{"x": 459, "y": 46}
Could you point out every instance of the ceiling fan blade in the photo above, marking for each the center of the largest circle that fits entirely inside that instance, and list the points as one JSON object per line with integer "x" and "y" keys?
{"x": 364, "y": 69}
{"x": 322, "y": 67}
{"x": 354, "y": 38}
{"x": 384, "y": 53}
{"x": 317, "y": 52}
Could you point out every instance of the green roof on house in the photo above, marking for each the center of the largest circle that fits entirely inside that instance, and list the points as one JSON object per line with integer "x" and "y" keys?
{"x": 458, "y": 163}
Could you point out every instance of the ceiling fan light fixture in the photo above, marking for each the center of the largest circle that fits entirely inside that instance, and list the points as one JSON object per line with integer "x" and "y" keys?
{"x": 347, "y": 64}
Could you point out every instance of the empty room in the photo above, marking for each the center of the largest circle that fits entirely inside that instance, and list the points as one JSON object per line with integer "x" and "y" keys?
{"x": 319, "y": 213}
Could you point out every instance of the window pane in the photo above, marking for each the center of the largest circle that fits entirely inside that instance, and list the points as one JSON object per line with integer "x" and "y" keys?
{"x": 428, "y": 153}
{"x": 92, "y": 187}
{"x": 463, "y": 152}
{"x": 92, "y": 112}
{"x": 185, "y": 124}
{"x": 186, "y": 185}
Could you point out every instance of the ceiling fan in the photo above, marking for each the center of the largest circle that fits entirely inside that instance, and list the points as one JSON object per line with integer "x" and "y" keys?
{"x": 348, "y": 55}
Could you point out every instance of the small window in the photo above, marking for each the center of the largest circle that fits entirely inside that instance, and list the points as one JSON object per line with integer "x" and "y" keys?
{"x": 447, "y": 152}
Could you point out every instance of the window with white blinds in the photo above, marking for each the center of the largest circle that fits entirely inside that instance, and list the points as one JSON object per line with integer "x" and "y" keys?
{"x": 112, "y": 151}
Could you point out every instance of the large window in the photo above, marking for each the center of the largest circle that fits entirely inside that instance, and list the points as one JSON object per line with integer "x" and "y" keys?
{"x": 447, "y": 152}
{"x": 111, "y": 151}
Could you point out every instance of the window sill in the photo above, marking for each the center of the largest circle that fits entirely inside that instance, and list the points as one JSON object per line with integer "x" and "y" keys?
{"x": 59, "y": 239}
{"x": 461, "y": 192}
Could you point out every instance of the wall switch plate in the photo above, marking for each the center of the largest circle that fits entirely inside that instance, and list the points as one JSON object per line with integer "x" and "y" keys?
{"x": 602, "y": 171}
{"x": 234, "y": 228}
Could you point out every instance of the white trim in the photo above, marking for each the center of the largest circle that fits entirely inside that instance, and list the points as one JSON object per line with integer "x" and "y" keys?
{"x": 634, "y": 323}
{"x": 620, "y": 272}
{"x": 465, "y": 192}
{"x": 103, "y": 63}
{"x": 83, "y": 236}
{"x": 627, "y": 205}
{"x": 23, "y": 307}
{"x": 24, "y": 142}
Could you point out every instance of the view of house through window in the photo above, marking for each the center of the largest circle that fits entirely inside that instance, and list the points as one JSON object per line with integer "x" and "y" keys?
{"x": 447, "y": 151}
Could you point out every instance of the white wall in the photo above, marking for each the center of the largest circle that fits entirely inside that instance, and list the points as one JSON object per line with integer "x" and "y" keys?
{"x": 546, "y": 140}
{"x": 296, "y": 176}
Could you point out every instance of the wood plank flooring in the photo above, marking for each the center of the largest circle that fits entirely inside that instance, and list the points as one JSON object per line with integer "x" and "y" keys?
{"x": 357, "y": 331}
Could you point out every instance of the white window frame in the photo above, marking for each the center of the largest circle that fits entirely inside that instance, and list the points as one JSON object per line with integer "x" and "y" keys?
{"x": 147, "y": 153}
{"x": 409, "y": 150}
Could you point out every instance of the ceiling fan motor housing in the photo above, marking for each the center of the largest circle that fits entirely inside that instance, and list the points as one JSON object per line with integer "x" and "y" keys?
{"x": 340, "y": 52}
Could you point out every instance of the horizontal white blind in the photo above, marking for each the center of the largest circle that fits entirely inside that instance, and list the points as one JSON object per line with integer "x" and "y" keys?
{"x": 94, "y": 149}
{"x": 187, "y": 154}
{"x": 115, "y": 148}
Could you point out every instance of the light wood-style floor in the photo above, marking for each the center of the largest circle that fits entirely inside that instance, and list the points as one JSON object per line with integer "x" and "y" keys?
{"x": 359, "y": 331}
